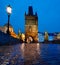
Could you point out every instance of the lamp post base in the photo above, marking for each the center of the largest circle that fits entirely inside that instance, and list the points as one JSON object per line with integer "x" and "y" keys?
{"x": 8, "y": 32}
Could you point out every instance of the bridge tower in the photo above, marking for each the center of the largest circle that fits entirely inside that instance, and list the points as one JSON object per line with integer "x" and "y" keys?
{"x": 31, "y": 24}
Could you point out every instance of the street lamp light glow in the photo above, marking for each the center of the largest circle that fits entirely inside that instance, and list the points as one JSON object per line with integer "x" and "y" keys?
{"x": 9, "y": 9}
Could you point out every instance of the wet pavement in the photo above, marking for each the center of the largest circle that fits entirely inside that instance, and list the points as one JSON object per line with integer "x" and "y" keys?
{"x": 30, "y": 54}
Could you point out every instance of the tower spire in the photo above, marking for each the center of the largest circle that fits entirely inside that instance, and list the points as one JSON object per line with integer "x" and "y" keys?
{"x": 36, "y": 13}
{"x": 30, "y": 10}
{"x": 25, "y": 13}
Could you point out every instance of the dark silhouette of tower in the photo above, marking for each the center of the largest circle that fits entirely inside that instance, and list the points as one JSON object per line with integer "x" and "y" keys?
{"x": 30, "y": 11}
{"x": 31, "y": 24}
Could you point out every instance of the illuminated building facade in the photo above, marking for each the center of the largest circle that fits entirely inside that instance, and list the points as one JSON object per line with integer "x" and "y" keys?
{"x": 31, "y": 25}
{"x": 11, "y": 30}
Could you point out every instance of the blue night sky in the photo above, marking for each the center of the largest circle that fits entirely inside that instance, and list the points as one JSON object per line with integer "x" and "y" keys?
{"x": 48, "y": 14}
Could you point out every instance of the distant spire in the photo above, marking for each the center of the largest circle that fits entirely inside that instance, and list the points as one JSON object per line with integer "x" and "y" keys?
{"x": 25, "y": 13}
{"x": 19, "y": 33}
{"x": 36, "y": 13}
{"x": 30, "y": 11}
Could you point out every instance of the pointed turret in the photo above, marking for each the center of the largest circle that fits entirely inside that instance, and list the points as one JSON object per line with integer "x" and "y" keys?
{"x": 25, "y": 13}
{"x": 35, "y": 13}
{"x": 30, "y": 10}
{"x": 19, "y": 34}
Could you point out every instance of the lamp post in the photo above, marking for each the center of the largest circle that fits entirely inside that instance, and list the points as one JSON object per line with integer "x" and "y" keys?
{"x": 9, "y": 11}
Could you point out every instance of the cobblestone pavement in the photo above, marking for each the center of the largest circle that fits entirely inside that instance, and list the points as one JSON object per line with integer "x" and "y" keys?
{"x": 30, "y": 54}
{"x": 20, "y": 54}
{"x": 11, "y": 55}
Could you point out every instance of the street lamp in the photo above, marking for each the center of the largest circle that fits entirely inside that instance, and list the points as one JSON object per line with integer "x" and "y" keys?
{"x": 9, "y": 11}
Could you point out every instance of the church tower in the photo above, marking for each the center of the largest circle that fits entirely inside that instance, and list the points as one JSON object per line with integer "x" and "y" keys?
{"x": 31, "y": 24}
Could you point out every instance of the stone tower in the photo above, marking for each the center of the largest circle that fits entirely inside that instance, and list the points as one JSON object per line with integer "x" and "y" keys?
{"x": 31, "y": 24}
